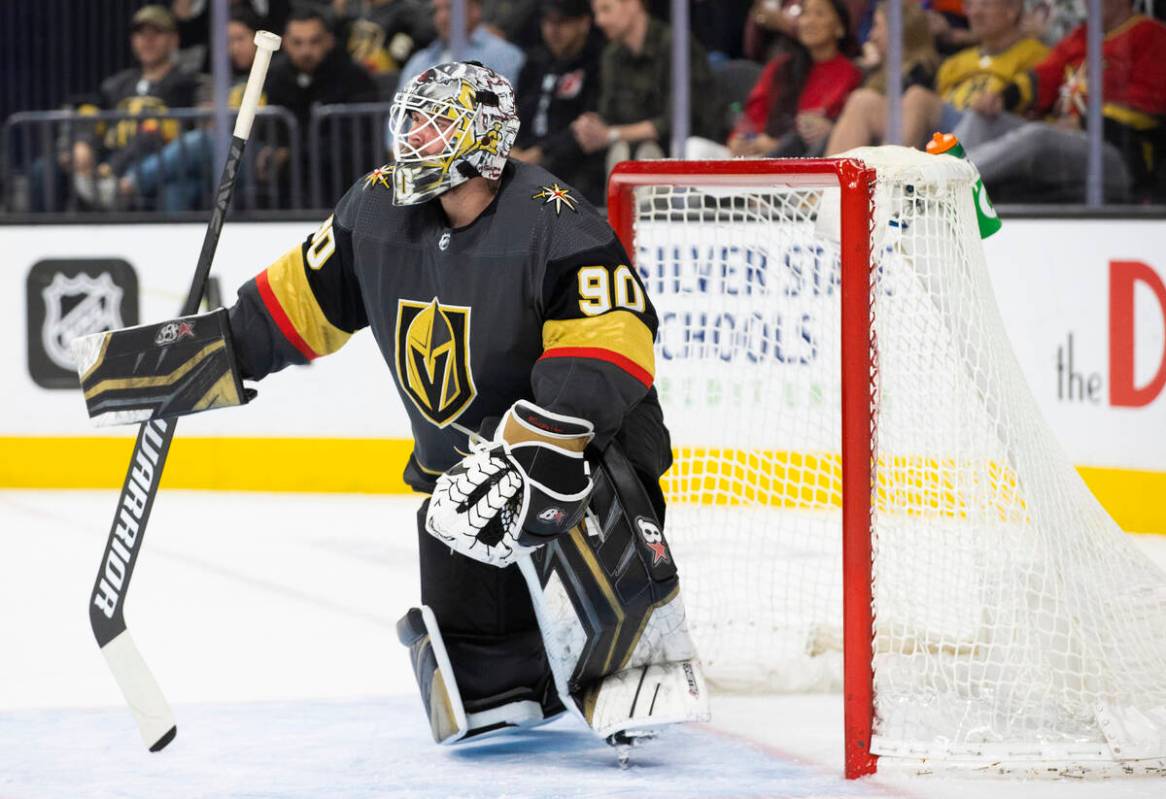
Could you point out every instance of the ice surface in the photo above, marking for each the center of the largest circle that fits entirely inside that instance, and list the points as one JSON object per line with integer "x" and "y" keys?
{"x": 370, "y": 748}
{"x": 268, "y": 620}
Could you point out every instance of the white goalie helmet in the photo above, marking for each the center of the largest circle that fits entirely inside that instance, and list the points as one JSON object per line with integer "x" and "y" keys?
{"x": 452, "y": 122}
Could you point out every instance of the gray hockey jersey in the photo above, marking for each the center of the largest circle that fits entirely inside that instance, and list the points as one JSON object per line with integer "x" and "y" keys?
{"x": 536, "y": 299}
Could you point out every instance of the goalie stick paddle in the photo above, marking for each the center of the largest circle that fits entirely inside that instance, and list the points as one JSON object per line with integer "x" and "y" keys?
{"x": 107, "y": 603}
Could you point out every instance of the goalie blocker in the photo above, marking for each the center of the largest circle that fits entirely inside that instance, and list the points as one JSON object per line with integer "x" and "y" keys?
{"x": 179, "y": 367}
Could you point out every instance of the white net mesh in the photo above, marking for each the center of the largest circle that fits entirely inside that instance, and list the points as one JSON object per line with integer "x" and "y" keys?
{"x": 1012, "y": 617}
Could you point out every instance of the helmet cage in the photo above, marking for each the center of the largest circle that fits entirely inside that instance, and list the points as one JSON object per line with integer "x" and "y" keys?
{"x": 413, "y": 114}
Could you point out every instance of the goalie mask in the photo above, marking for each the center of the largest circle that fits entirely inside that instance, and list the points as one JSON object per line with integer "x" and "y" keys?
{"x": 450, "y": 123}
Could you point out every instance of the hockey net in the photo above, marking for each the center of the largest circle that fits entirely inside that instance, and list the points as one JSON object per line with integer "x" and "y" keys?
{"x": 1013, "y": 624}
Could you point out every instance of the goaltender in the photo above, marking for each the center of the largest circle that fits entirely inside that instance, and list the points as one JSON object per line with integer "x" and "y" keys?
{"x": 521, "y": 340}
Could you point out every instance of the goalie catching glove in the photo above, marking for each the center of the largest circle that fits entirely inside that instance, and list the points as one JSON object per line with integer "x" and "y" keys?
{"x": 516, "y": 492}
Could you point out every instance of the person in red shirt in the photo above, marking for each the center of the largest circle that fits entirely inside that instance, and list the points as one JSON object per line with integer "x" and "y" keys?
{"x": 864, "y": 117}
{"x": 1052, "y": 153}
{"x": 792, "y": 107}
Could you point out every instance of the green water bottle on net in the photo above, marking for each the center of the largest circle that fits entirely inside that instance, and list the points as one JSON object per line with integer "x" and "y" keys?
{"x": 947, "y": 144}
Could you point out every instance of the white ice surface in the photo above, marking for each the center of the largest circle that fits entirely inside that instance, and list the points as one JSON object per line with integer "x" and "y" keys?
{"x": 268, "y": 620}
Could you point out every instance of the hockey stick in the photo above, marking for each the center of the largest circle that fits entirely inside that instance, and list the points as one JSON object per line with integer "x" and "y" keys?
{"x": 106, "y": 608}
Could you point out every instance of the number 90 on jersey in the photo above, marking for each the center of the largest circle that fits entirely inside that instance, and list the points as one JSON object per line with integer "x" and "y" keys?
{"x": 601, "y": 289}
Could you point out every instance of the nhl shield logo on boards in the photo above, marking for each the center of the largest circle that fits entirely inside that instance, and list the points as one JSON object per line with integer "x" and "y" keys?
{"x": 69, "y": 298}
{"x": 433, "y": 358}
{"x": 96, "y": 308}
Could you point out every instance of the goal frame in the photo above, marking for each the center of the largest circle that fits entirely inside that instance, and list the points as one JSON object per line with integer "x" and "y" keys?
{"x": 859, "y": 362}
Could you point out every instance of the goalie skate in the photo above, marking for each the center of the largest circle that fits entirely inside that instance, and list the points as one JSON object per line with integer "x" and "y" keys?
{"x": 623, "y": 743}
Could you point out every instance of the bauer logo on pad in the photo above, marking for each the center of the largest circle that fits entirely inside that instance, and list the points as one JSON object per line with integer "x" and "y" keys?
{"x": 74, "y": 297}
{"x": 172, "y": 331}
{"x": 650, "y": 532}
{"x": 552, "y": 516}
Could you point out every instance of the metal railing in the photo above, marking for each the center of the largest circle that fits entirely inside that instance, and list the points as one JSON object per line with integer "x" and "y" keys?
{"x": 344, "y": 142}
{"x": 156, "y": 162}
{"x": 51, "y": 50}
{"x": 90, "y": 39}
{"x": 316, "y": 165}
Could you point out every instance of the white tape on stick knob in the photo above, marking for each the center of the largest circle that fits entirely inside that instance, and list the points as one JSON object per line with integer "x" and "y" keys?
{"x": 266, "y": 43}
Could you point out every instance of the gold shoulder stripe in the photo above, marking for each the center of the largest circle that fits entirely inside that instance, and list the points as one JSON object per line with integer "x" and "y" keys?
{"x": 289, "y": 283}
{"x": 619, "y": 332}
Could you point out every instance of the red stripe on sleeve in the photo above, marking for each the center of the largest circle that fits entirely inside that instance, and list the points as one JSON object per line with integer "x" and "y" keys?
{"x": 280, "y": 317}
{"x": 598, "y": 353}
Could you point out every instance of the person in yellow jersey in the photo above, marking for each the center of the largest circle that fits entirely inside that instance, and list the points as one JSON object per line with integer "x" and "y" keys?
{"x": 1003, "y": 53}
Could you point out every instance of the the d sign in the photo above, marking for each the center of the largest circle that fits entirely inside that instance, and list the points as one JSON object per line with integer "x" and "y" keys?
{"x": 1123, "y": 277}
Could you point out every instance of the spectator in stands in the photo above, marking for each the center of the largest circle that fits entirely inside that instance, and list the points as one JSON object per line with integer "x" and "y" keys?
{"x": 635, "y": 96}
{"x": 516, "y": 21}
{"x": 864, "y": 117}
{"x": 1003, "y": 53}
{"x": 771, "y": 25}
{"x": 560, "y": 82}
{"x": 156, "y": 85}
{"x": 1051, "y": 20}
{"x": 481, "y": 45}
{"x": 794, "y": 103}
{"x": 949, "y": 25}
{"x": 384, "y": 34}
{"x": 194, "y": 25}
{"x": 180, "y": 177}
{"x": 311, "y": 70}
{"x": 1048, "y": 160}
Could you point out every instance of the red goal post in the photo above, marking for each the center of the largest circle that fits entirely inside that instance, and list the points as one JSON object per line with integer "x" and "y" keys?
{"x": 865, "y": 496}
{"x": 855, "y": 182}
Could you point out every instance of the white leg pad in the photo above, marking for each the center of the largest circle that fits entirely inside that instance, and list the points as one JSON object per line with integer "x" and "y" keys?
{"x": 418, "y": 630}
{"x": 647, "y": 697}
{"x": 448, "y": 720}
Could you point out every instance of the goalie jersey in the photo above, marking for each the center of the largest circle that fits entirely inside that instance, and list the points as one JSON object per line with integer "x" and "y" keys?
{"x": 536, "y": 299}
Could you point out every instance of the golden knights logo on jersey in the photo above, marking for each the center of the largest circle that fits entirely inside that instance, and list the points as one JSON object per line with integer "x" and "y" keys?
{"x": 559, "y": 195}
{"x": 380, "y": 177}
{"x": 433, "y": 358}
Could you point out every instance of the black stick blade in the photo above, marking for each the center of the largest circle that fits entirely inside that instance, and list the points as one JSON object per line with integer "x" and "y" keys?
{"x": 165, "y": 739}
